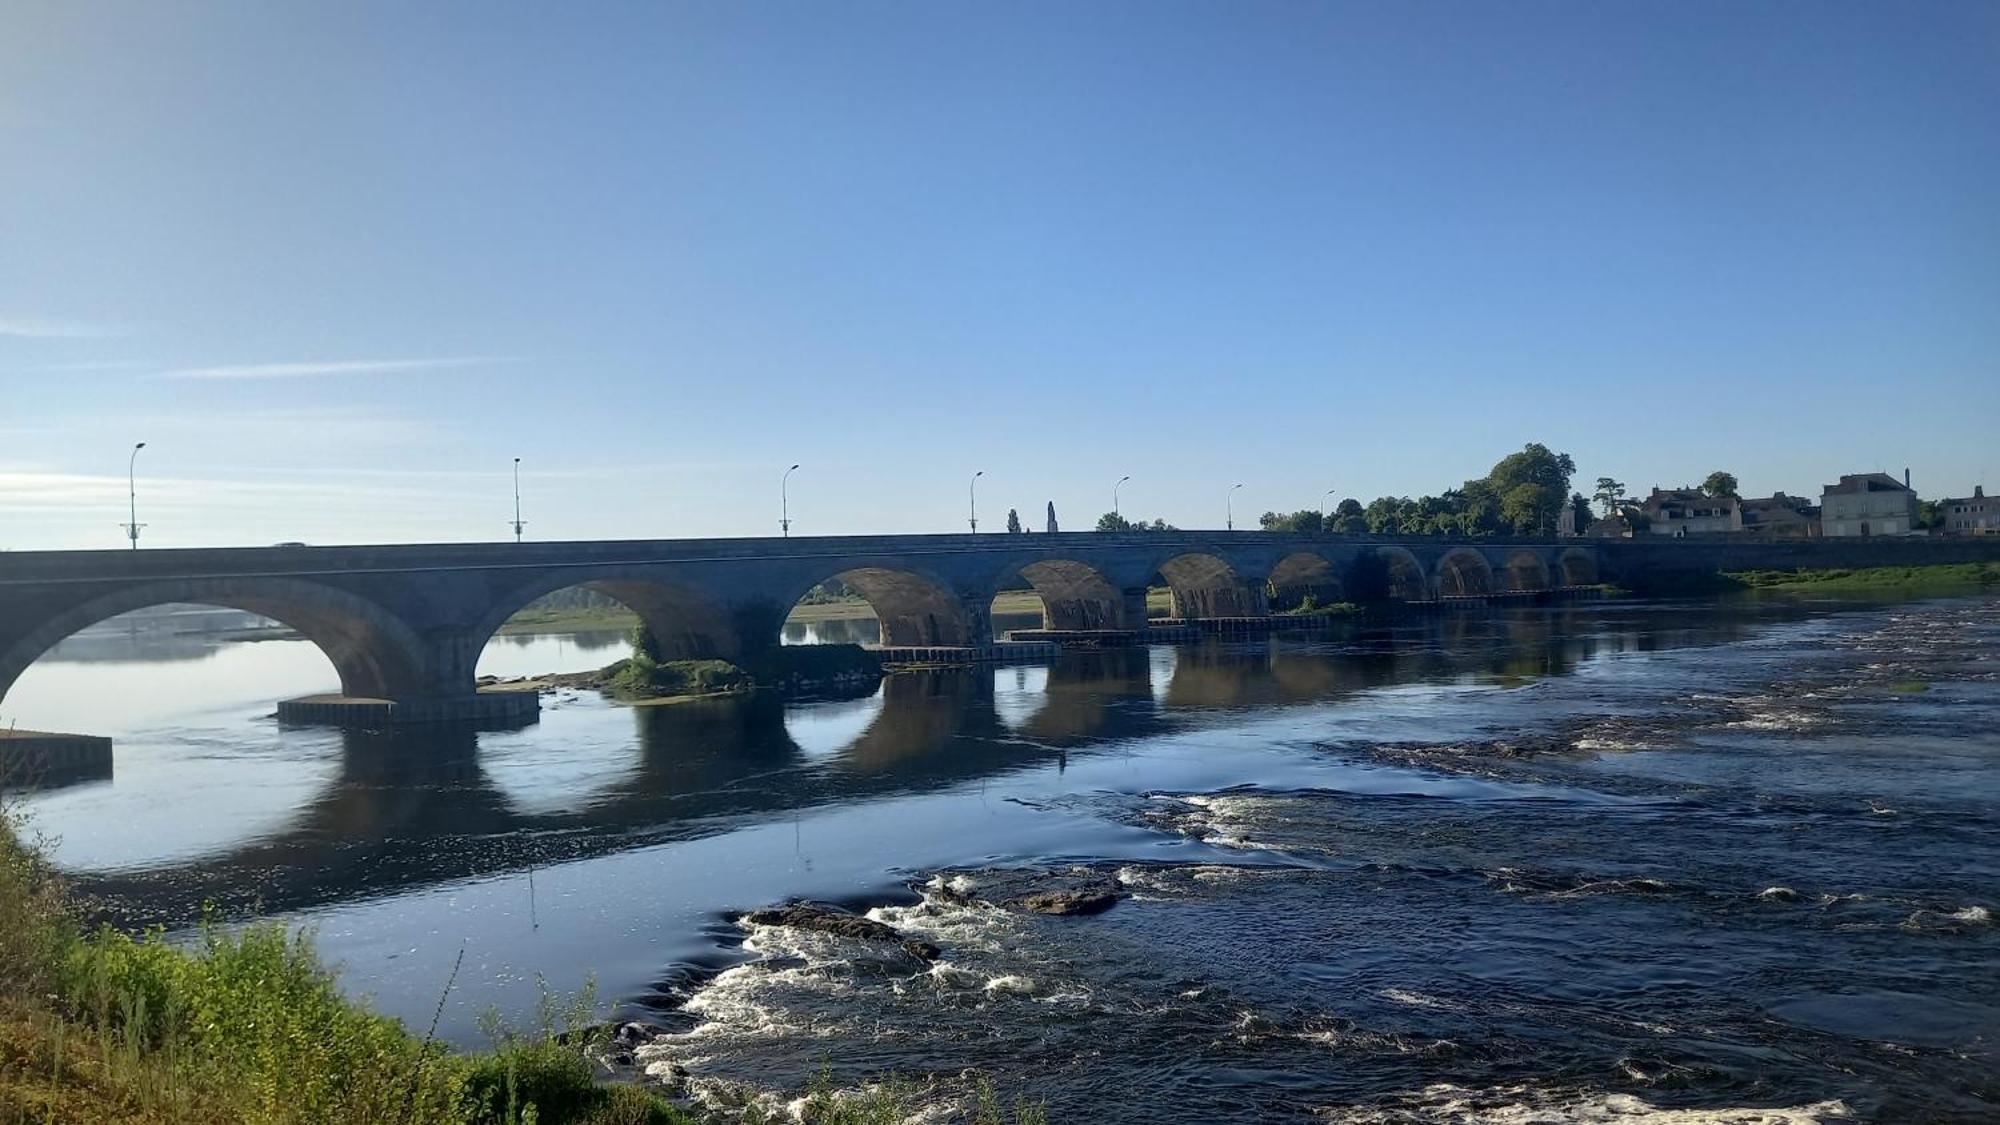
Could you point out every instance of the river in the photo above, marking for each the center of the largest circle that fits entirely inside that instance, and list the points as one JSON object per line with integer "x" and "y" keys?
{"x": 1642, "y": 861}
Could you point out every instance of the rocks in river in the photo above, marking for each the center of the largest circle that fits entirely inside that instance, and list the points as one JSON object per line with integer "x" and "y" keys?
{"x": 1070, "y": 900}
{"x": 1079, "y": 890}
{"x": 826, "y": 919}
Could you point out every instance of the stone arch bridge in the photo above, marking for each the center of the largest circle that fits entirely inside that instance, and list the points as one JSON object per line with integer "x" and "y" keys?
{"x": 406, "y": 624}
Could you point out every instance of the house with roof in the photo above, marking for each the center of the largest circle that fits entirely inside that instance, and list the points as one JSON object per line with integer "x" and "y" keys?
{"x": 1613, "y": 526}
{"x": 1868, "y": 504}
{"x": 1977, "y": 514}
{"x": 1690, "y": 511}
{"x": 1781, "y": 517}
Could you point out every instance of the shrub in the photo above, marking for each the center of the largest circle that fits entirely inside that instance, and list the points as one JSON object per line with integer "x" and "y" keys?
{"x": 253, "y": 1011}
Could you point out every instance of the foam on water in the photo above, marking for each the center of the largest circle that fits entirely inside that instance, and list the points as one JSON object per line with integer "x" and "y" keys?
{"x": 1446, "y": 1104}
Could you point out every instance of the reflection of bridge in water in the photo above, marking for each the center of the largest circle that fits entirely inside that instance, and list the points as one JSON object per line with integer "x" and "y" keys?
{"x": 413, "y": 808}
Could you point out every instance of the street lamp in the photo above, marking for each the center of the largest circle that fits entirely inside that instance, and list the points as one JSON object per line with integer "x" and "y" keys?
{"x": 972, "y": 491}
{"x": 1114, "y": 494}
{"x": 518, "y": 525}
{"x": 1322, "y": 508}
{"x": 132, "y": 494}
{"x": 785, "y": 503}
{"x": 1231, "y": 521}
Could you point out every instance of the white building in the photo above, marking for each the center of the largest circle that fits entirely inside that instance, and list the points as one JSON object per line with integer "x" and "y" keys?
{"x": 1868, "y": 504}
{"x": 1977, "y": 514}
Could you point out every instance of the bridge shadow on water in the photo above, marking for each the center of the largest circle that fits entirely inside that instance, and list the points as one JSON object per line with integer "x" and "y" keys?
{"x": 416, "y": 808}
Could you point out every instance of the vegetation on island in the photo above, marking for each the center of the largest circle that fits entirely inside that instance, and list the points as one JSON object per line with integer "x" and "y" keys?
{"x": 649, "y": 675}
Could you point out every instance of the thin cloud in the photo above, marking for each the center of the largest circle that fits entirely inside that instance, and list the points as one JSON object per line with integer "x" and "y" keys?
{"x": 43, "y": 328}
{"x": 315, "y": 370}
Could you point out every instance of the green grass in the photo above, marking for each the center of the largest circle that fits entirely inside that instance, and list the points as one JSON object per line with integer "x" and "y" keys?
{"x": 1877, "y": 578}
{"x": 579, "y": 619}
{"x": 641, "y": 677}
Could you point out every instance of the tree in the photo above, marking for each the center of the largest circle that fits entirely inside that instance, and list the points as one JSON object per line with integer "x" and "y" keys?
{"x": 1013, "y": 522}
{"x": 1112, "y": 521}
{"x": 1609, "y": 493}
{"x": 644, "y": 644}
{"x": 1348, "y": 518}
{"x": 1306, "y": 520}
{"x": 1579, "y": 511}
{"x": 1522, "y": 494}
{"x": 1384, "y": 515}
{"x": 1720, "y": 484}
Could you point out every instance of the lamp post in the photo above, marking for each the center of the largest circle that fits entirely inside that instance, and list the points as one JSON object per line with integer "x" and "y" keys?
{"x": 1114, "y": 494}
{"x": 785, "y": 503}
{"x": 132, "y": 495}
{"x": 1230, "y": 521}
{"x": 518, "y": 525}
{"x": 972, "y": 492}
{"x": 1323, "y": 526}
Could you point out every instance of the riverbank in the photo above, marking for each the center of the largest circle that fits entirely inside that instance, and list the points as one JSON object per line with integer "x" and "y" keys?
{"x": 1886, "y": 579}
{"x": 247, "y": 1025}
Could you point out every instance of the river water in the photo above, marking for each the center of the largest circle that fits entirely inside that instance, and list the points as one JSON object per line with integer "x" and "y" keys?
{"x": 1625, "y": 861}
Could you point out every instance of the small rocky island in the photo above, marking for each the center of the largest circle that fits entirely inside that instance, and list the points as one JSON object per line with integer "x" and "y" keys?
{"x": 793, "y": 671}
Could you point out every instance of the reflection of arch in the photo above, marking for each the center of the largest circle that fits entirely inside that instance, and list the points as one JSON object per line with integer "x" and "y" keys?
{"x": 1017, "y": 702}
{"x": 1304, "y": 573}
{"x": 1527, "y": 571}
{"x": 1579, "y": 567}
{"x": 915, "y": 611}
{"x": 1464, "y": 572}
{"x": 1093, "y": 693}
{"x": 375, "y": 654}
{"x": 1076, "y": 596}
{"x": 919, "y": 712}
{"x": 1205, "y": 586}
{"x": 688, "y": 625}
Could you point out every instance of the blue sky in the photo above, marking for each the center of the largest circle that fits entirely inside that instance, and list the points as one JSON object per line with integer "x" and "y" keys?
{"x": 340, "y": 263}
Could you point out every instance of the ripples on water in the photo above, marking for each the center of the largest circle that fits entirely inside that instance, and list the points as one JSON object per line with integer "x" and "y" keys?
{"x": 1622, "y": 863}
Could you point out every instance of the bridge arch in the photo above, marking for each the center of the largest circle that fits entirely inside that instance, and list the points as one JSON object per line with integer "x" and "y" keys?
{"x": 1578, "y": 567}
{"x": 374, "y": 652}
{"x": 1205, "y": 586}
{"x": 1304, "y": 574}
{"x": 1075, "y": 595}
{"x": 1386, "y": 571}
{"x": 687, "y": 624}
{"x": 916, "y": 609}
{"x": 1463, "y": 572}
{"x": 1526, "y": 571}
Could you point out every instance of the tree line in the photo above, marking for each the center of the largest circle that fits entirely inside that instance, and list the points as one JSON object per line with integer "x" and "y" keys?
{"x": 1524, "y": 494}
